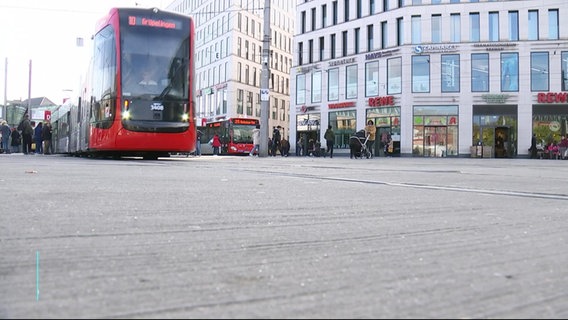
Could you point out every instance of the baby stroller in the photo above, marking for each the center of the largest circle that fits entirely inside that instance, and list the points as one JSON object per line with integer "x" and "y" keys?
{"x": 358, "y": 145}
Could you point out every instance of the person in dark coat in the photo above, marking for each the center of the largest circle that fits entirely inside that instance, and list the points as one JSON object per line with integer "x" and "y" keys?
{"x": 37, "y": 138}
{"x": 46, "y": 135}
{"x": 27, "y": 133}
{"x": 16, "y": 140}
{"x": 533, "y": 149}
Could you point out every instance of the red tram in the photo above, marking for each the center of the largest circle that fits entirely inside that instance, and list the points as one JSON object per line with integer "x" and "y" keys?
{"x": 138, "y": 97}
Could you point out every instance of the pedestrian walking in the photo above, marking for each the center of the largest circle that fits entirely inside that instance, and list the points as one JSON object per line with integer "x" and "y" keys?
{"x": 329, "y": 137}
{"x": 255, "y": 141}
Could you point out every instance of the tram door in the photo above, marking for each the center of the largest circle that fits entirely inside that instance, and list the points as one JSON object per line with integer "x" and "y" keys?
{"x": 435, "y": 141}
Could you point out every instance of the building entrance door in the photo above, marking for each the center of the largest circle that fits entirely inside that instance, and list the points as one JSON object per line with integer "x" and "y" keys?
{"x": 435, "y": 138}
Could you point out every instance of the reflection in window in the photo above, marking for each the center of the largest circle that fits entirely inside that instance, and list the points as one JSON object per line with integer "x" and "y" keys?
{"x": 372, "y": 79}
{"x": 539, "y": 71}
{"x": 344, "y": 125}
{"x": 564, "y": 62}
{"x": 553, "y": 24}
{"x": 513, "y": 26}
{"x": 509, "y": 72}
{"x": 316, "y": 86}
{"x": 474, "y": 30}
{"x": 455, "y": 27}
{"x": 420, "y": 73}
{"x": 451, "y": 73}
{"x": 533, "y": 25}
{"x": 493, "y": 26}
{"x": 300, "y": 89}
{"x": 333, "y": 84}
{"x": 436, "y": 28}
{"x": 394, "y": 76}
{"x": 480, "y": 72}
{"x": 351, "y": 80}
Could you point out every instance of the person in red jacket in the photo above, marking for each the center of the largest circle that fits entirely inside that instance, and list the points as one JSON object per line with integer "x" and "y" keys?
{"x": 216, "y": 143}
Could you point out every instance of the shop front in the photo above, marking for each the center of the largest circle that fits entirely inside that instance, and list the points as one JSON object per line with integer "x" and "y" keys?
{"x": 550, "y": 118}
{"x": 435, "y": 131}
{"x": 495, "y": 131}
{"x": 308, "y": 128}
{"x": 387, "y": 120}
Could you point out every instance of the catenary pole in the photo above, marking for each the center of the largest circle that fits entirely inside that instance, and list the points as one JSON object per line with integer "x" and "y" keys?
{"x": 264, "y": 91}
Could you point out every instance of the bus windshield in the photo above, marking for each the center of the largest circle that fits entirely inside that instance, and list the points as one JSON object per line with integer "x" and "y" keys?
{"x": 154, "y": 63}
{"x": 242, "y": 133}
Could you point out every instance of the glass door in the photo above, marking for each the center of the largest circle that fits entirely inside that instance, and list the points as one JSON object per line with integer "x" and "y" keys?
{"x": 435, "y": 141}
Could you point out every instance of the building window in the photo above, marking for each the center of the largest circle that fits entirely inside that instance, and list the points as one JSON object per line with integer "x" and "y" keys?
{"x": 372, "y": 79}
{"x": 239, "y": 71}
{"x": 493, "y": 26}
{"x": 474, "y": 31}
{"x": 399, "y": 31}
{"x": 332, "y": 49}
{"x": 351, "y": 81}
{"x": 303, "y": 22}
{"x": 455, "y": 27}
{"x": 316, "y": 86}
{"x": 371, "y": 7}
{"x": 533, "y": 25}
{"x": 436, "y": 28}
{"x": 343, "y": 124}
{"x": 370, "y": 38}
{"x": 310, "y": 51}
{"x": 553, "y": 24}
{"x": 416, "y": 28}
{"x": 451, "y": 73}
{"x": 480, "y": 72}
{"x": 321, "y": 48}
{"x": 384, "y": 35}
{"x": 394, "y": 75}
{"x": 539, "y": 71}
{"x": 313, "y": 20}
{"x": 509, "y": 72}
{"x": 324, "y": 16}
{"x": 346, "y": 10}
{"x": 238, "y": 46}
{"x": 420, "y": 73}
{"x": 344, "y": 43}
{"x": 386, "y": 5}
{"x": 356, "y": 39}
{"x": 300, "y": 53}
{"x": 564, "y": 73}
{"x": 240, "y": 97}
{"x": 334, "y": 12}
{"x": 359, "y": 9}
{"x": 300, "y": 89}
{"x": 333, "y": 84}
{"x": 513, "y": 26}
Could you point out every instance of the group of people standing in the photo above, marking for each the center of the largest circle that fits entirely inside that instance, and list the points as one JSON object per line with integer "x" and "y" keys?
{"x": 26, "y": 135}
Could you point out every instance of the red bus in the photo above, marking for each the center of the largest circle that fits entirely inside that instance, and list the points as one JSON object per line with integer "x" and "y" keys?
{"x": 235, "y": 134}
{"x": 138, "y": 97}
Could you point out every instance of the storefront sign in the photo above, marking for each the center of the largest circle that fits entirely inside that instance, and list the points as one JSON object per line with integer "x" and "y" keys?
{"x": 342, "y": 61}
{"x": 499, "y": 46}
{"x": 304, "y": 109}
{"x": 306, "y": 69}
{"x": 435, "y": 48}
{"x": 381, "y": 101}
{"x": 552, "y": 97}
{"x": 380, "y": 54}
{"x": 341, "y": 105}
{"x": 221, "y": 86}
{"x": 495, "y": 98}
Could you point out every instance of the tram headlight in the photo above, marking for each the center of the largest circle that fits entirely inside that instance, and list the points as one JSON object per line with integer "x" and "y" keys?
{"x": 185, "y": 117}
{"x": 126, "y": 115}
